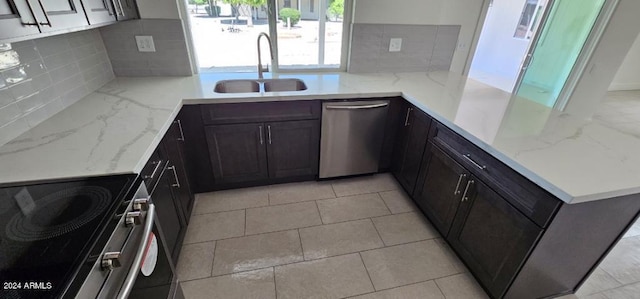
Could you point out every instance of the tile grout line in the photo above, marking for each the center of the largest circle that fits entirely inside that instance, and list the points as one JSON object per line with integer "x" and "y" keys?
{"x": 312, "y": 226}
{"x": 301, "y": 246}
{"x": 274, "y": 266}
{"x": 379, "y": 235}
{"x": 438, "y": 286}
{"x": 396, "y": 287}
{"x": 303, "y": 261}
{"x": 245, "y": 222}
{"x": 194, "y": 213}
{"x": 399, "y": 214}
{"x": 367, "y": 270}
{"x": 215, "y": 247}
{"x": 394, "y": 245}
{"x": 614, "y": 278}
{"x": 276, "y": 231}
{"x": 334, "y": 191}
{"x": 366, "y": 192}
{"x": 620, "y": 286}
{"x": 355, "y": 219}
{"x": 320, "y": 214}
{"x": 341, "y": 255}
{"x": 384, "y": 202}
{"x": 275, "y": 286}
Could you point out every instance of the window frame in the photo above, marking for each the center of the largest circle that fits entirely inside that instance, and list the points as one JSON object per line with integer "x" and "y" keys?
{"x": 273, "y": 34}
{"x": 346, "y": 38}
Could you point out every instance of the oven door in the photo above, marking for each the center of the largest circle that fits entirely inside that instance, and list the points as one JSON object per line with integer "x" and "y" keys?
{"x": 152, "y": 274}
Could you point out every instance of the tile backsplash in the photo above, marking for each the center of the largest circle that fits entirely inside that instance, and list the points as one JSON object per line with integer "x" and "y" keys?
{"x": 170, "y": 59}
{"x": 40, "y": 77}
{"x": 424, "y": 47}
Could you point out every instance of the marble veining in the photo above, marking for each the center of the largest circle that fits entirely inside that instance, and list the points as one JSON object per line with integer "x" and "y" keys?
{"x": 115, "y": 129}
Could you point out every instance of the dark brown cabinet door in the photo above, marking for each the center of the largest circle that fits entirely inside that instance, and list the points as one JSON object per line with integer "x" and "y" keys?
{"x": 412, "y": 141}
{"x": 491, "y": 236}
{"x": 16, "y": 20}
{"x": 57, "y": 15}
{"x": 292, "y": 148}
{"x": 237, "y": 152}
{"x": 99, "y": 11}
{"x": 196, "y": 152}
{"x": 169, "y": 213}
{"x": 440, "y": 192}
{"x": 125, "y": 9}
{"x": 174, "y": 144}
{"x": 395, "y": 120}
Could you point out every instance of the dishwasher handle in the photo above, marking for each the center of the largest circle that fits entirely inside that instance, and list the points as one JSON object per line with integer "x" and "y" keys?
{"x": 359, "y": 107}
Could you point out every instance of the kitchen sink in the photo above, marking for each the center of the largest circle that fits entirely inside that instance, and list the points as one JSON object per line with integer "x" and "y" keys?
{"x": 237, "y": 86}
{"x": 266, "y": 85}
{"x": 284, "y": 85}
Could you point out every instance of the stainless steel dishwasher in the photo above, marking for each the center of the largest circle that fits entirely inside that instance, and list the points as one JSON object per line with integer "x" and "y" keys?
{"x": 351, "y": 137}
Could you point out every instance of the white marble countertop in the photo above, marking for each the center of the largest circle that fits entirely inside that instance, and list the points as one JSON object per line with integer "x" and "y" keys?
{"x": 115, "y": 129}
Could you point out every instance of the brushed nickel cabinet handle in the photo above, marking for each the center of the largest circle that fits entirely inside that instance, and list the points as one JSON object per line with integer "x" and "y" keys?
{"x": 153, "y": 174}
{"x": 175, "y": 175}
{"x": 457, "y": 191}
{"x": 261, "y": 140}
{"x": 406, "y": 118}
{"x": 269, "y": 133}
{"x": 181, "y": 131}
{"x": 468, "y": 157}
{"x": 466, "y": 190}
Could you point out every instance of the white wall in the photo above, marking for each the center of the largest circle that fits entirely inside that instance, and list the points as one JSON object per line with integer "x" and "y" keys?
{"x": 427, "y": 12}
{"x": 499, "y": 53}
{"x": 158, "y": 9}
{"x": 628, "y": 76}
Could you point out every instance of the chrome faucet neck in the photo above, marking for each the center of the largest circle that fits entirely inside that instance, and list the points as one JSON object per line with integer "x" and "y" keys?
{"x": 260, "y": 68}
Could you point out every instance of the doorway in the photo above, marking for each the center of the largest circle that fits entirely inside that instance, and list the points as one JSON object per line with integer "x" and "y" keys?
{"x": 531, "y": 47}
{"x": 506, "y": 35}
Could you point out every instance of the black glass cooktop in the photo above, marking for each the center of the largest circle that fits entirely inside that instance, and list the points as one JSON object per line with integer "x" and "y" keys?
{"x": 47, "y": 231}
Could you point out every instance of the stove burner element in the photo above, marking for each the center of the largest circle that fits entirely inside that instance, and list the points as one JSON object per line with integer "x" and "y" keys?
{"x": 59, "y": 213}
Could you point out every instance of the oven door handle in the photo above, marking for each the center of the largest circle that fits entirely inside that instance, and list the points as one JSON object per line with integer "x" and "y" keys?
{"x": 137, "y": 261}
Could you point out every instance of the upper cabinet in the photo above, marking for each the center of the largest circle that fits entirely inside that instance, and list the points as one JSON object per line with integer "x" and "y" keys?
{"x": 16, "y": 19}
{"x": 99, "y": 11}
{"x": 54, "y": 15}
{"x": 125, "y": 9}
{"x": 27, "y": 19}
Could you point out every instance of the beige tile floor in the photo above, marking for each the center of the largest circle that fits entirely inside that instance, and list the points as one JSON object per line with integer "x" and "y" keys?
{"x": 618, "y": 276}
{"x": 350, "y": 238}
{"x": 332, "y": 239}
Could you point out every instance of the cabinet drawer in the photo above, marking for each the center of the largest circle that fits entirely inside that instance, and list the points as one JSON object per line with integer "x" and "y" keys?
{"x": 526, "y": 196}
{"x": 260, "y": 112}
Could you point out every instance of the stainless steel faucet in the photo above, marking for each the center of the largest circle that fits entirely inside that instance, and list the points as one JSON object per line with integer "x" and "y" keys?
{"x": 266, "y": 68}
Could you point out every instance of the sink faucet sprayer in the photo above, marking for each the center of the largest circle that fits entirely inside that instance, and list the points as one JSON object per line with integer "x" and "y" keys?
{"x": 266, "y": 68}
